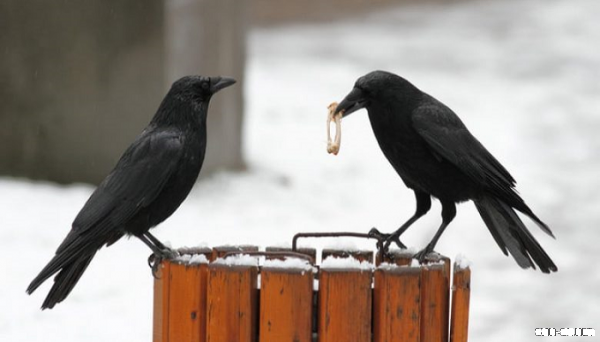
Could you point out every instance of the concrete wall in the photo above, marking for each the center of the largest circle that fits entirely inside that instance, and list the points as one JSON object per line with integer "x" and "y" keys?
{"x": 79, "y": 80}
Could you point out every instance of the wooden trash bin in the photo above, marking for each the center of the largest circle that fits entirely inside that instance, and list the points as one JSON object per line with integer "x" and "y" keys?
{"x": 197, "y": 300}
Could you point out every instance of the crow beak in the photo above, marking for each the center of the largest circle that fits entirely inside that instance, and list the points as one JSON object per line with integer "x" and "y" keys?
{"x": 218, "y": 83}
{"x": 354, "y": 101}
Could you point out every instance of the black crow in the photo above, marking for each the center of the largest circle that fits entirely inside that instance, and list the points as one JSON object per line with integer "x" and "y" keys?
{"x": 149, "y": 182}
{"x": 435, "y": 155}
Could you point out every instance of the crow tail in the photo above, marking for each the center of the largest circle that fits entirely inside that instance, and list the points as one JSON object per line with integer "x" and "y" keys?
{"x": 512, "y": 236}
{"x": 70, "y": 264}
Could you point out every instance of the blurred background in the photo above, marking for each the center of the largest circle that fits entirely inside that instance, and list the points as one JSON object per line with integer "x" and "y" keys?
{"x": 79, "y": 80}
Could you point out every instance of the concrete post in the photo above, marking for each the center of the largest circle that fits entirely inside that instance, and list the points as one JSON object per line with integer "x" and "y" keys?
{"x": 208, "y": 37}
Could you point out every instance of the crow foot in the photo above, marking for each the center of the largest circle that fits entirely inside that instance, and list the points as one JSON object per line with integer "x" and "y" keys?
{"x": 155, "y": 259}
{"x": 424, "y": 253}
{"x": 385, "y": 240}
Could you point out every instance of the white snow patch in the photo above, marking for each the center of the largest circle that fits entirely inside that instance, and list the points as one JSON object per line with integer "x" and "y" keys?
{"x": 294, "y": 263}
{"x": 194, "y": 259}
{"x": 238, "y": 260}
{"x": 462, "y": 262}
{"x": 389, "y": 266}
{"x": 343, "y": 263}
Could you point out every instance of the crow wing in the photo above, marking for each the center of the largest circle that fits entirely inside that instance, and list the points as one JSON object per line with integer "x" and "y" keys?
{"x": 448, "y": 138}
{"x": 136, "y": 181}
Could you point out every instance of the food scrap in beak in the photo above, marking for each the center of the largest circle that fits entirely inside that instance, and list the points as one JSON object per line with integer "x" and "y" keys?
{"x": 334, "y": 146}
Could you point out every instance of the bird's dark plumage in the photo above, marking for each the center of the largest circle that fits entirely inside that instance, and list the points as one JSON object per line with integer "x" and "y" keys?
{"x": 149, "y": 182}
{"x": 435, "y": 155}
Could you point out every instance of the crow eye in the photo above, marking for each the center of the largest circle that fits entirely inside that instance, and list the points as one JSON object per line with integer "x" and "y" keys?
{"x": 205, "y": 85}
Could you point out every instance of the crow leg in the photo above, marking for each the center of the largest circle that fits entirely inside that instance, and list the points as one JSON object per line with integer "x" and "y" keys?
{"x": 423, "y": 205}
{"x": 157, "y": 248}
{"x": 448, "y": 214}
{"x": 155, "y": 241}
{"x": 159, "y": 252}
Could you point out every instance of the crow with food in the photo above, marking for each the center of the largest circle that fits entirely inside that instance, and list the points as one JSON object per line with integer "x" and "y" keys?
{"x": 435, "y": 155}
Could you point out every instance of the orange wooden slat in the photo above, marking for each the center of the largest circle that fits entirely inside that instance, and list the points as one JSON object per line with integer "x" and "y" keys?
{"x": 232, "y": 299}
{"x": 397, "y": 304}
{"x": 434, "y": 303}
{"x": 461, "y": 292}
{"x": 160, "y": 326}
{"x": 286, "y": 305}
{"x": 187, "y": 303}
{"x": 345, "y": 305}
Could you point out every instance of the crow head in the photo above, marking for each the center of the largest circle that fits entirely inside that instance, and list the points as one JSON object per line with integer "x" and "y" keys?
{"x": 186, "y": 104}
{"x": 376, "y": 87}
{"x": 199, "y": 88}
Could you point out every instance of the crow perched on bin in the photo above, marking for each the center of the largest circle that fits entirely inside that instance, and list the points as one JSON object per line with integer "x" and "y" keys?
{"x": 149, "y": 182}
{"x": 435, "y": 155}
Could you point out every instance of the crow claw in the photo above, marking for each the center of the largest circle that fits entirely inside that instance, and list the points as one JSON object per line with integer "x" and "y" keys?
{"x": 156, "y": 259}
{"x": 422, "y": 255}
{"x": 385, "y": 240}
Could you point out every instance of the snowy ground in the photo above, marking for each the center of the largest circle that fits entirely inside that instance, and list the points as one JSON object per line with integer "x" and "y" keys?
{"x": 523, "y": 75}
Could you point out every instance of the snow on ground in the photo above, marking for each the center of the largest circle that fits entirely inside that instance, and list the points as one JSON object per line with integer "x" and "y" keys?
{"x": 523, "y": 75}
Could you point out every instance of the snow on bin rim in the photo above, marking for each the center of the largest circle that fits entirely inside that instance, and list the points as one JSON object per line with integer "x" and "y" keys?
{"x": 238, "y": 260}
{"x": 336, "y": 263}
{"x": 289, "y": 263}
{"x": 414, "y": 263}
{"x": 462, "y": 262}
{"x": 188, "y": 259}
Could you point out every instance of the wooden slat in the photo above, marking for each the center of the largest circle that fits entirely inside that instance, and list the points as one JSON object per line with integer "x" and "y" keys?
{"x": 397, "y": 304}
{"x": 434, "y": 303}
{"x": 232, "y": 299}
{"x": 360, "y": 255}
{"x": 345, "y": 305}
{"x": 187, "y": 303}
{"x": 461, "y": 292}
{"x": 160, "y": 318}
{"x": 286, "y": 305}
